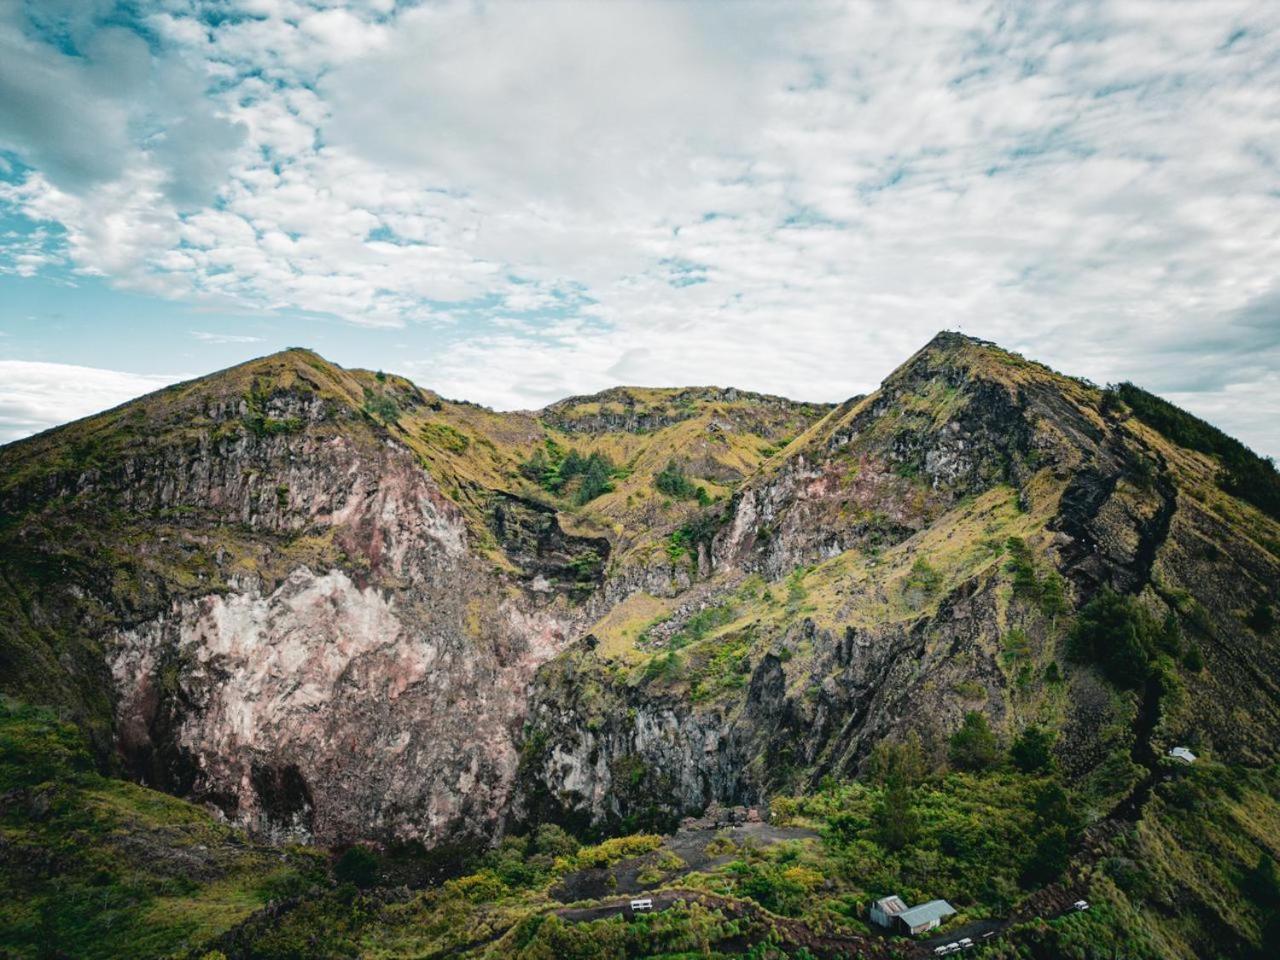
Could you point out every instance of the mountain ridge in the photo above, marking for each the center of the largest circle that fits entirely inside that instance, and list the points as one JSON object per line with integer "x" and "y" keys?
{"x": 333, "y": 606}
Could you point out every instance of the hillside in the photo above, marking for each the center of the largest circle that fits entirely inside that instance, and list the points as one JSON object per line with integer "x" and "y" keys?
{"x": 946, "y": 631}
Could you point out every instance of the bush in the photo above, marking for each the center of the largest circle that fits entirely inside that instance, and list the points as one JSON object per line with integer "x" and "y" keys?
{"x": 1262, "y": 619}
{"x": 974, "y": 745}
{"x": 1033, "y": 750}
{"x": 358, "y": 866}
{"x": 1025, "y": 583}
{"x": 1262, "y": 883}
{"x": 553, "y": 841}
{"x": 381, "y": 406}
{"x": 1048, "y": 857}
{"x": 1117, "y": 634}
{"x": 673, "y": 482}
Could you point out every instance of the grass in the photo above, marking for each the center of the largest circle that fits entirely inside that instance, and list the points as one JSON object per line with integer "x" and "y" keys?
{"x": 94, "y": 867}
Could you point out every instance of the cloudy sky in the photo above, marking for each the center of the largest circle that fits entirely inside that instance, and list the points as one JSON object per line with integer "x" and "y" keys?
{"x": 511, "y": 202}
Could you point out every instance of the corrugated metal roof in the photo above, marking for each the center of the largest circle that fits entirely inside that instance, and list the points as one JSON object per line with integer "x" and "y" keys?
{"x": 891, "y": 905}
{"x": 933, "y": 910}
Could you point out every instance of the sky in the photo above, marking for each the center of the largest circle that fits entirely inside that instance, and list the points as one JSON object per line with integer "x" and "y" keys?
{"x": 514, "y": 202}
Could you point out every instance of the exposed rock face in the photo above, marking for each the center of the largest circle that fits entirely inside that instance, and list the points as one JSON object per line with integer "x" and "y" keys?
{"x": 599, "y": 751}
{"x": 323, "y": 708}
{"x": 333, "y": 708}
{"x": 897, "y": 469}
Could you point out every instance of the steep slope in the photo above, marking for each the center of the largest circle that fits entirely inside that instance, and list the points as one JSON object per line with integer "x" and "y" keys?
{"x": 97, "y": 867}
{"x": 911, "y": 558}
{"x": 314, "y": 597}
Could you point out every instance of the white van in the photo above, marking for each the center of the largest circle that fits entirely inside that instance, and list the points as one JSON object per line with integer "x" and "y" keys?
{"x": 639, "y": 905}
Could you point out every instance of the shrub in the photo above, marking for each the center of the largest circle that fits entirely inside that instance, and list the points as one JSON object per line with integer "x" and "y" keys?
{"x": 445, "y": 437}
{"x": 1033, "y": 750}
{"x": 673, "y": 482}
{"x": 974, "y": 745}
{"x": 358, "y": 866}
{"x": 553, "y": 469}
{"x": 1025, "y": 583}
{"x": 381, "y": 406}
{"x": 1262, "y": 883}
{"x": 1053, "y": 594}
{"x": 1048, "y": 857}
{"x": 1262, "y": 619}
{"x": 553, "y": 841}
{"x": 1117, "y": 634}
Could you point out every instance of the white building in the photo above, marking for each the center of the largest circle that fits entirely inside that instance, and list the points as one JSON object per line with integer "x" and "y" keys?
{"x": 885, "y": 909}
{"x": 1183, "y": 754}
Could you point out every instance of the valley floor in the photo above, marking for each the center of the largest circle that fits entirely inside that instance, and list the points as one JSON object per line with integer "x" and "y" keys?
{"x": 92, "y": 867}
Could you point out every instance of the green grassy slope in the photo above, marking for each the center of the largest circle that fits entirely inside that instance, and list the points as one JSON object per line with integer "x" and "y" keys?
{"x": 96, "y": 867}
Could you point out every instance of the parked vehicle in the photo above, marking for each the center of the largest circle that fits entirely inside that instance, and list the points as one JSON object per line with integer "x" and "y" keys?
{"x": 640, "y": 905}
{"x": 1080, "y": 905}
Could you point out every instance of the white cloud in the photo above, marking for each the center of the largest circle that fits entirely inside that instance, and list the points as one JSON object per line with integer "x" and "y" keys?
{"x": 791, "y": 198}
{"x": 206, "y": 337}
{"x": 35, "y": 396}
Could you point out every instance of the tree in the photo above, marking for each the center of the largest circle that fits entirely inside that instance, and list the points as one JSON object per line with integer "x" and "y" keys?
{"x": 1053, "y": 595}
{"x": 895, "y": 819}
{"x": 359, "y": 866}
{"x": 673, "y": 482}
{"x": 1262, "y": 883}
{"x": 1053, "y": 807}
{"x": 597, "y": 471}
{"x": 1033, "y": 750}
{"x": 900, "y": 762}
{"x": 1048, "y": 857}
{"x": 898, "y": 768}
{"x": 1025, "y": 583}
{"x": 553, "y": 841}
{"x": 974, "y": 745}
{"x": 1117, "y": 634}
{"x": 1262, "y": 619}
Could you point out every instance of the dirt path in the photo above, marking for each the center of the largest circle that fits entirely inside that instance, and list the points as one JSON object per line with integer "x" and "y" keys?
{"x": 689, "y": 845}
{"x": 792, "y": 933}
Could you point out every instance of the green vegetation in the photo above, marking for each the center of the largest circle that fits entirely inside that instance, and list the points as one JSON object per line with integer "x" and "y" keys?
{"x": 256, "y": 419}
{"x": 445, "y": 437}
{"x": 1261, "y": 619}
{"x": 1047, "y": 592}
{"x": 358, "y": 866}
{"x": 381, "y": 406}
{"x": 1116, "y": 633}
{"x": 94, "y": 867}
{"x": 672, "y": 481}
{"x": 971, "y": 838}
{"x": 701, "y": 623}
{"x": 555, "y": 470}
{"x": 974, "y": 746}
{"x": 700, "y": 531}
{"x": 1032, "y": 751}
{"x": 1243, "y": 474}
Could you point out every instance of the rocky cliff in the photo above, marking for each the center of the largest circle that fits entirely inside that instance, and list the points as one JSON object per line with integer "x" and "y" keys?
{"x": 912, "y": 557}
{"x": 335, "y": 605}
